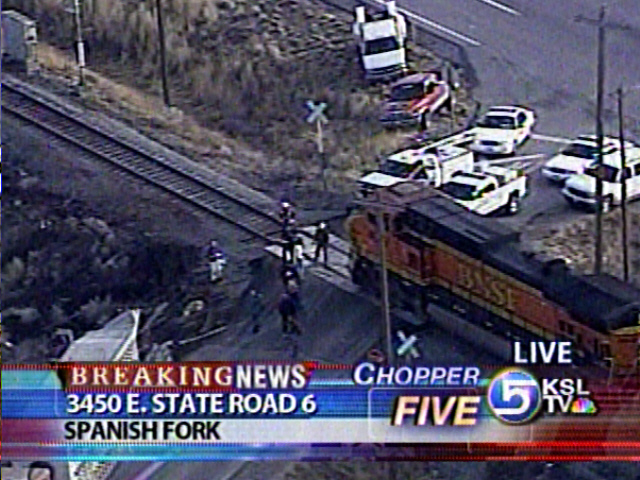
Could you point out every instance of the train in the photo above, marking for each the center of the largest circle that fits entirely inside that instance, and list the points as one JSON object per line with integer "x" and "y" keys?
{"x": 439, "y": 253}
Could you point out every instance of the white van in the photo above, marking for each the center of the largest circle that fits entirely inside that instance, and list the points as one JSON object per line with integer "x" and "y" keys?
{"x": 578, "y": 155}
{"x": 580, "y": 189}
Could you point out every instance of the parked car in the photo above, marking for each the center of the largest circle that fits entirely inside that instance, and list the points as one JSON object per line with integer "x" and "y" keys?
{"x": 503, "y": 129}
{"x": 577, "y": 156}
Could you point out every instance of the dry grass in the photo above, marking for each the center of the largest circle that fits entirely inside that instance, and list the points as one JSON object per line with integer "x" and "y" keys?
{"x": 242, "y": 67}
{"x": 575, "y": 243}
{"x": 175, "y": 126}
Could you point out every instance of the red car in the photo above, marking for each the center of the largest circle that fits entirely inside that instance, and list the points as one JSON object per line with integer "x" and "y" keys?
{"x": 414, "y": 98}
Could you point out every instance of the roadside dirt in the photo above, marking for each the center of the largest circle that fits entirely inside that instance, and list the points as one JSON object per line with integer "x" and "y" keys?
{"x": 575, "y": 242}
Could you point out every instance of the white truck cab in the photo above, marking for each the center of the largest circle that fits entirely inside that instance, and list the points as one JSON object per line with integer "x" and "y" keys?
{"x": 491, "y": 190}
{"x": 577, "y": 156}
{"x": 381, "y": 43}
{"x": 580, "y": 189}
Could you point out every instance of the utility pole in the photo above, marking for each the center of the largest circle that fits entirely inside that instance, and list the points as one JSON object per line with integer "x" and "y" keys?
{"x": 385, "y": 284}
{"x": 378, "y": 206}
{"x": 79, "y": 42}
{"x": 163, "y": 54}
{"x": 600, "y": 141}
{"x": 623, "y": 194}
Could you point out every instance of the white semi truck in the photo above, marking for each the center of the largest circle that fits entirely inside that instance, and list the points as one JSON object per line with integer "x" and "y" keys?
{"x": 381, "y": 43}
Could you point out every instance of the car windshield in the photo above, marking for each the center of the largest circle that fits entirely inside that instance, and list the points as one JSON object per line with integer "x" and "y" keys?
{"x": 610, "y": 174}
{"x": 396, "y": 169}
{"x": 497, "y": 121}
{"x": 581, "y": 150}
{"x": 408, "y": 91}
{"x": 381, "y": 45}
{"x": 460, "y": 190}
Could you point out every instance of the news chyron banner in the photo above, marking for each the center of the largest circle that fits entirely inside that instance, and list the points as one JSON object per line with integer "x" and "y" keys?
{"x": 223, "y": 411}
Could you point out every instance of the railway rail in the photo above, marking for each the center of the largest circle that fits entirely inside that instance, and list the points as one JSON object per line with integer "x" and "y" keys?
{"x": 146, "y": 166}
{"x": 177, "y": 179}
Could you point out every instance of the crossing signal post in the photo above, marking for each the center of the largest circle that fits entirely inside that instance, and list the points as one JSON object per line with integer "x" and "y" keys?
{"x": 600, "y": 23}
{"x": 318, "y": 117}
{"x": 623, "y": 192}
{"x": 76, "y": 10}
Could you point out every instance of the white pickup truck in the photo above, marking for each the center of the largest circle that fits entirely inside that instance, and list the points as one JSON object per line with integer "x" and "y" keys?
{"x": 432, "y": 166}
{"x": 493, "y": 189}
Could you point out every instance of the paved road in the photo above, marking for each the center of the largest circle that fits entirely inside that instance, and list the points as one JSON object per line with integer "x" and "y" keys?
{"x": 540, "y": 54}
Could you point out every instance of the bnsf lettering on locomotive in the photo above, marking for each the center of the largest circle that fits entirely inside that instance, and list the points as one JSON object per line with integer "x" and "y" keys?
{"x": 485, "y": 285}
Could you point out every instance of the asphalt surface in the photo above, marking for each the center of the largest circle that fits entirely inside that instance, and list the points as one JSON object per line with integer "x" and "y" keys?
{"x": 541, "y": 55}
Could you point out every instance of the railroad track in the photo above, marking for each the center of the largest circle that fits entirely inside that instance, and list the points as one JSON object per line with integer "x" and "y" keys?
{"x": 171, "y": 176}
{"x": 126, "y": 156}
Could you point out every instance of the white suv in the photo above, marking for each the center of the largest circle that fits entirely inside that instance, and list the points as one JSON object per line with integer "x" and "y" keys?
{"x": 580, "y": 189}
{"x": 577, "y": 156}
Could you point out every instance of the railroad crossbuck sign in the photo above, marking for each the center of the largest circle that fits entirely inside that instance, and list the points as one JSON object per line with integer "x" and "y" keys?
{"x": 317, "y": 112}
{"x": 407, "y": 345}
{"x": 317, "y": 115}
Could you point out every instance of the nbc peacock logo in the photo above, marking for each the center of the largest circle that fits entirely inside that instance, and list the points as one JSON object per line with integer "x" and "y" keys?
{"x": 583, "y": 406}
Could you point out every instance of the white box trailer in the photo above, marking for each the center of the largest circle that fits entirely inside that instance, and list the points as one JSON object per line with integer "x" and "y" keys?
{"x": 19, "y": 39}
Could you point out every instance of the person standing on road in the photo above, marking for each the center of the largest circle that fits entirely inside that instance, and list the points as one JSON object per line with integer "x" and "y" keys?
{"x": 321, "y": 237}
{"x": 256, "y": 308}
{"x": 298, "y": 255}
{"x": 293, "y": 289}
{"x": 287, "y": 216}
{"x": 289, "y": 274}
{"x": 217, "y": 261}
{"x": 288, "y": 250}
{"x": 287, "y": 309}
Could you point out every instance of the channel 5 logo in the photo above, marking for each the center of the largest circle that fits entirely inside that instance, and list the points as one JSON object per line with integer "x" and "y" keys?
{"x": 514, "y": 396}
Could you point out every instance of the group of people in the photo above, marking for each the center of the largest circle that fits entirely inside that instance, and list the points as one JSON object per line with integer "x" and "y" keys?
{"x": 289, "y": 304}
{"x": 293, "y": 250}
{"x": 293, "y": 266}
{"x": 292, "y": 270}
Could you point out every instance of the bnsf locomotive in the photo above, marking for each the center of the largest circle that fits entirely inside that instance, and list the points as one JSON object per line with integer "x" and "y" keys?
{"x": 439, "y": 254}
